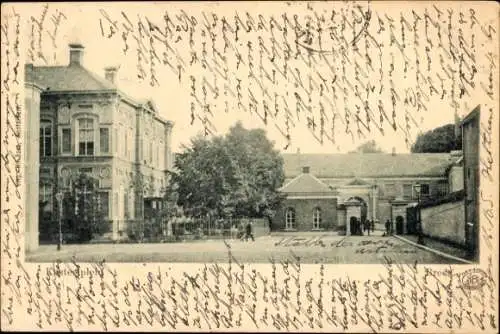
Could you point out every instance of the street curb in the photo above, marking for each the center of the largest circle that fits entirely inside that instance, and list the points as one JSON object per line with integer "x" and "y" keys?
{"x": 433, "y": 250}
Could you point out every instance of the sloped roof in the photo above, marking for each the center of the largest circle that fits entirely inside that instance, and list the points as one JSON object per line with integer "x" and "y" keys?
{"x": 66, "y": 78}
{"x": 306, "y": 183}
{"x": 367, "y": 165}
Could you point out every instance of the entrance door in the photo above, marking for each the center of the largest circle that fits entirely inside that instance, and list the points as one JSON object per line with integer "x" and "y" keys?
{"x": 399, "y": 225}
{"x": 353, "y": 224}
{"x": 411, "y": 218}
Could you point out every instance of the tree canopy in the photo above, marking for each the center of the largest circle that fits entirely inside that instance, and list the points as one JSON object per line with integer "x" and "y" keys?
{"x": 438, "y": 140}
{"x": 234, "y": 175}
{"x": 368, "y": 147}
{"x": 83, "y": 215}
{"x": 83, "y": 210}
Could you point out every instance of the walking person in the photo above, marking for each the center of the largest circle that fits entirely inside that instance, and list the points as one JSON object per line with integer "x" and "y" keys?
{"x": 367, "y": 226}
{"x": 249, "y": 232}
{"x": 241, "y": 232}
{"x": 387, "y": 227}
{"x": 372, "y": 223}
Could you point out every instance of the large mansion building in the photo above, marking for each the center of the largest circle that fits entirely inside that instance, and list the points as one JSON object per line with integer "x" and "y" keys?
{"x": 88, "y": 125}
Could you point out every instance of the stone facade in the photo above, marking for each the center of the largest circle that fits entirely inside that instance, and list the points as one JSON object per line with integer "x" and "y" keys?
{"x": 100, "y": 131}
{"x": 32, "y": 163}
{"x": 445, "y": 221}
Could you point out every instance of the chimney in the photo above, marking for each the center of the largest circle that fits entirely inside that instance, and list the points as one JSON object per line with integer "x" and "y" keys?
{"x": 76, "y": 54}
{"x": 305, "y": 169}
{"x": 393, "y": 150}
{"x": 110, "y": 73}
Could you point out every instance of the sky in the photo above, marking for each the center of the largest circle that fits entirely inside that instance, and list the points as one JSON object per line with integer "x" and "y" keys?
{"x": 81, "y": 24}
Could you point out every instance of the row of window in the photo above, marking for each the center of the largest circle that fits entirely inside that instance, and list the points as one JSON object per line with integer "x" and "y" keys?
{"x": 85, "y": 137}
{"x": 410, "y": 193}
{"x": 290, "y": 218}
{"x": 150, "y": 153}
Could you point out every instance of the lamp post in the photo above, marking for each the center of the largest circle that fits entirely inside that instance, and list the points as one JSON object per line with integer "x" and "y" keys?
{"x": 420, "y": 239}
{"x": 59, "y": 198}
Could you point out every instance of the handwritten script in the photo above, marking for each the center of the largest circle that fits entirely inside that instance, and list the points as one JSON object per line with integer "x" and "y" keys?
{"x": 345, "y": 70}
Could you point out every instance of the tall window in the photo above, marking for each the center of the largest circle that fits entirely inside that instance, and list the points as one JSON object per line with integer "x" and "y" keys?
{"x": 316, "y": 218}
{"x": 86, "y": 136}
{"x": 104, "y": 140}
{"x": 290, "y": 218}
{"x": 104, "y": 203}
{"x": 424, "y": 190}
{"x": 442, "y": 188}
{"x": 125, "y": 205}
{"x": 407, "y": 191}
{"x": 66, "y": 140}
{"x": 45, "y": 139}
{"x": 46, "y": 196}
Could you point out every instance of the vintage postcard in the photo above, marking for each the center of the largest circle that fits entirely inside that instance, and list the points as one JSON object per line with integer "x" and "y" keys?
{"x": 323, "y": 166}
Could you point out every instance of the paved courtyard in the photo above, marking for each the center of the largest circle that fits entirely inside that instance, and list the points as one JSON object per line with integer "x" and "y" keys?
{"x": 312, "y": 248}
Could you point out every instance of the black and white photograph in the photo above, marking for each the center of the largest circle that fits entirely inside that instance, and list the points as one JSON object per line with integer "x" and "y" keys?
{"x": 167, "y": 141}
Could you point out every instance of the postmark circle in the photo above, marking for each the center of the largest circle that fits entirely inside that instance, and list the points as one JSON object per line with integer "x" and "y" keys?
{"x": 473, "y": 279}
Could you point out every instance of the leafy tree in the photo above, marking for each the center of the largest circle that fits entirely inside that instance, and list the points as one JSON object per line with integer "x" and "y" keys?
{"x": 48, "y": 224}
{"x": 234, "y": 175}
{"x": 438, "y": 140}
{"x": 368, "y": 147}
{"x": 83, "y": 213}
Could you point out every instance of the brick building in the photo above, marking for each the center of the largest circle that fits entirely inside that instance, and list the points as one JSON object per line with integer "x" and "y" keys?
{"x": 88, "y": 125}
{"x": 374, "y": 186}
{"x": 310, "y": 205}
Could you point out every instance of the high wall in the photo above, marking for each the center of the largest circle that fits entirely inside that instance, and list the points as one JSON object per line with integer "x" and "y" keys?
{"x": 445, "y": 221}
{"x": 456, "y": 178}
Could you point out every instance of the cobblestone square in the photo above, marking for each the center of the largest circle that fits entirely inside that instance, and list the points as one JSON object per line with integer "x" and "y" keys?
{"x": 314, "y": 248}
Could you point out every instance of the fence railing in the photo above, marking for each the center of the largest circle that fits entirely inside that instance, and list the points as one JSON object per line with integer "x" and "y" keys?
{"x": 156, "y": 230}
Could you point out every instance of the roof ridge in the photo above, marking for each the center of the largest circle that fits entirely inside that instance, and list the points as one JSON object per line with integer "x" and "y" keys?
{"x": 324, "y": 187}
{"x": 291, "y": 181}
{"x": 319, "y": 181}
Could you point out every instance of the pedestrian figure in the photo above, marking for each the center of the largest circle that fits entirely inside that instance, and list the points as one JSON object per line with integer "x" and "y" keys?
{"x": 241, "y": 232}
{"x": 372, "y": 223}
{"x": 387, "y": 227}
{"x": 249, "y": 232}
{"x": 367, "y": 226}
